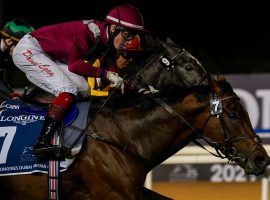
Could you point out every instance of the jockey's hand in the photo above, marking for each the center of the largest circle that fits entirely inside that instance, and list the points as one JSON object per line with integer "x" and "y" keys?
{"x": 116, "y": 80}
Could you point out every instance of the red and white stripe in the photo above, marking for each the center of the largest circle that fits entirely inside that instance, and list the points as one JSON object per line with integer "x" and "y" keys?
{"x": 125, "y": 23}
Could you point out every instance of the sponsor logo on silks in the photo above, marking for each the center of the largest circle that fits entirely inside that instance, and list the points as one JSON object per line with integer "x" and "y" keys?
{"x": 43, "y": 68}
{"x": 4, "y": 106}
{"x": 21, "y": 119}
{"x": 2, "y": 110}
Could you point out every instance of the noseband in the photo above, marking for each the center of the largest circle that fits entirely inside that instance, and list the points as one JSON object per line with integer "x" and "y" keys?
{"x": 223, "y": 150}
{"x": 228, "y": 148}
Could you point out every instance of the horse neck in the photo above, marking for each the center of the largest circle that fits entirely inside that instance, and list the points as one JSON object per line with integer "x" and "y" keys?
{"x": 153, "y": 135}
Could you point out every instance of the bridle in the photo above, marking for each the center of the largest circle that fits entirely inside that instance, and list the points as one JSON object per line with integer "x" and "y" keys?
{"x": 169, "y": 65}
{"x": 225, "y": 150}
{"x": 228, "y": 149}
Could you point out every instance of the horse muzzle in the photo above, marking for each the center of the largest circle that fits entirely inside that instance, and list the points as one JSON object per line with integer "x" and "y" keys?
{"x": 256, "y": 165}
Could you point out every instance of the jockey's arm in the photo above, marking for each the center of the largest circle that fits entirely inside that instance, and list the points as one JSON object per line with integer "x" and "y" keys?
{"x": 76, "y": 63}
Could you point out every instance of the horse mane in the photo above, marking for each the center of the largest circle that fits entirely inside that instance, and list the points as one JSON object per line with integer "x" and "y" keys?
{"x": 147, "y": 102}
{"x": 151, "y": 44}
{"x": 225, "y": 86}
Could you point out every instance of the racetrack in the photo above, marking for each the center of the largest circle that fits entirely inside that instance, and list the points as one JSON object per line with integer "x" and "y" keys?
{"x": 209, "y": 191}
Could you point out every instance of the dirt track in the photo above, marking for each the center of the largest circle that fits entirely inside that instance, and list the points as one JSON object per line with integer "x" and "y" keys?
{"x": 210, "y": 191}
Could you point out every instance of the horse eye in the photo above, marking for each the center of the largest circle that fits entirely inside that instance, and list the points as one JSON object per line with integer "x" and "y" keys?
{"x": 139, "y": 78}
{"x": 189, "y": 67}
{"x": 232, "y": 115}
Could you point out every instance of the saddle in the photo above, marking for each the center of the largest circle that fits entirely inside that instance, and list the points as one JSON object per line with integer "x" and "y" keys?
{"x": 20, "y": 125}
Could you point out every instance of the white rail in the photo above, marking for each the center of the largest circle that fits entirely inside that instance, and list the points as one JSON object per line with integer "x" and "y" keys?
{"x": 197, "y": 155}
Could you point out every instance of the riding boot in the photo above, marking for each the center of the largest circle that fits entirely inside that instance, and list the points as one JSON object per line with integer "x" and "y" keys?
{"x": 53, "y": 119}
{"x": 44, "y": 146}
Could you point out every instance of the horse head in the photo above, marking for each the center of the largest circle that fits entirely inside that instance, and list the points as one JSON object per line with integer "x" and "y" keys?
{"x": 226, "y": 125}
{"x": 167, "y": 121}
{"x": 215, "y": 114}
{"x": 168, "y": 63}
{"x": 228, "y": 129}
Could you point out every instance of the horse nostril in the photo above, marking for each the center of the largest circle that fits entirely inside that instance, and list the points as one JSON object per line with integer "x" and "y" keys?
{"x": 261, "y": 161}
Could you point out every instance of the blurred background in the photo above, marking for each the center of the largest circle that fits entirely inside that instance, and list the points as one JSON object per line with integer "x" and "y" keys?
{"x": 228, "y": 38}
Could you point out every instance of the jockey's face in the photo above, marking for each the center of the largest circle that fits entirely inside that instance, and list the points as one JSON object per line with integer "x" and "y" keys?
{"x": 122, "y": 61}
{"x": 118, "y": 41}
{"x": 123, "y": 36}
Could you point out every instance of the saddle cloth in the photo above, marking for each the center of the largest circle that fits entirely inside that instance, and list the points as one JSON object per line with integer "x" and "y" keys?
{"x": 20, "y": 126}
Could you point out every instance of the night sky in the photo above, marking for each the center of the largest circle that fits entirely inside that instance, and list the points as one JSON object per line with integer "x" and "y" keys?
{"x": 225, "y": 37}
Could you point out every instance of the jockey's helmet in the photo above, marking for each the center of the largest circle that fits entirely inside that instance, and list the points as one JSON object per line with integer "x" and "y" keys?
{"x": 126, "y": 16}
{"x": 16, "y": 29}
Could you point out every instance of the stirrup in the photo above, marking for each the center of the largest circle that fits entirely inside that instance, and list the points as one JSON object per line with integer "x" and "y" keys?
{"x": 52, "y": 152}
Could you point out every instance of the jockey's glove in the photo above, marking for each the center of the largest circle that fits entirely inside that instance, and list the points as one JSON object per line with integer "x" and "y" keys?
{"x": 116, "y": 80}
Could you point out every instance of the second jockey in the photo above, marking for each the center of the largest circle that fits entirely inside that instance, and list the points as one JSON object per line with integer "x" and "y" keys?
{"x": 10, "y": 35}
{"x": 12, "y": 32}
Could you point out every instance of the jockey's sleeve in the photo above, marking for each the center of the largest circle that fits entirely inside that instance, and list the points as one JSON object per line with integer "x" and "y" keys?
{"x": 76, "y": 62}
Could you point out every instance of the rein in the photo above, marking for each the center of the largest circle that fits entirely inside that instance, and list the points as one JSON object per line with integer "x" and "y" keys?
{"x": 226, "y": 150}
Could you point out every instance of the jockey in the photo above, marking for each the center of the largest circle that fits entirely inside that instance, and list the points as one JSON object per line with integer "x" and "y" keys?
{"x": 124, "y": 56}
{"x": 52, "y": 58}
{"x": 12, "y": 32}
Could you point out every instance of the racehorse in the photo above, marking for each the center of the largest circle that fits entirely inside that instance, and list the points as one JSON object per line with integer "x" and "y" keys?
{"x": 135, "y": 132}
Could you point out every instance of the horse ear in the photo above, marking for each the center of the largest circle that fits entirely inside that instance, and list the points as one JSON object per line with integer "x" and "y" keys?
{"x": 170, "y": 41}
{"x": 215, "y": 85}
{"x": 163, "y": 44}
{"x": 151, "y": 42}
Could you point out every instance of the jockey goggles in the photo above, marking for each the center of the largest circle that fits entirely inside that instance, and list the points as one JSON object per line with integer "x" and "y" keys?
{"x": 127, "y": 34}
{"x": 127, "y": 54}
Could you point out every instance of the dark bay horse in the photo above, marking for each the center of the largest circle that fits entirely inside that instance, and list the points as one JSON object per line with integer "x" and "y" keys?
{"x": 134, "y": 133}
{"x": 126, "y": 142}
